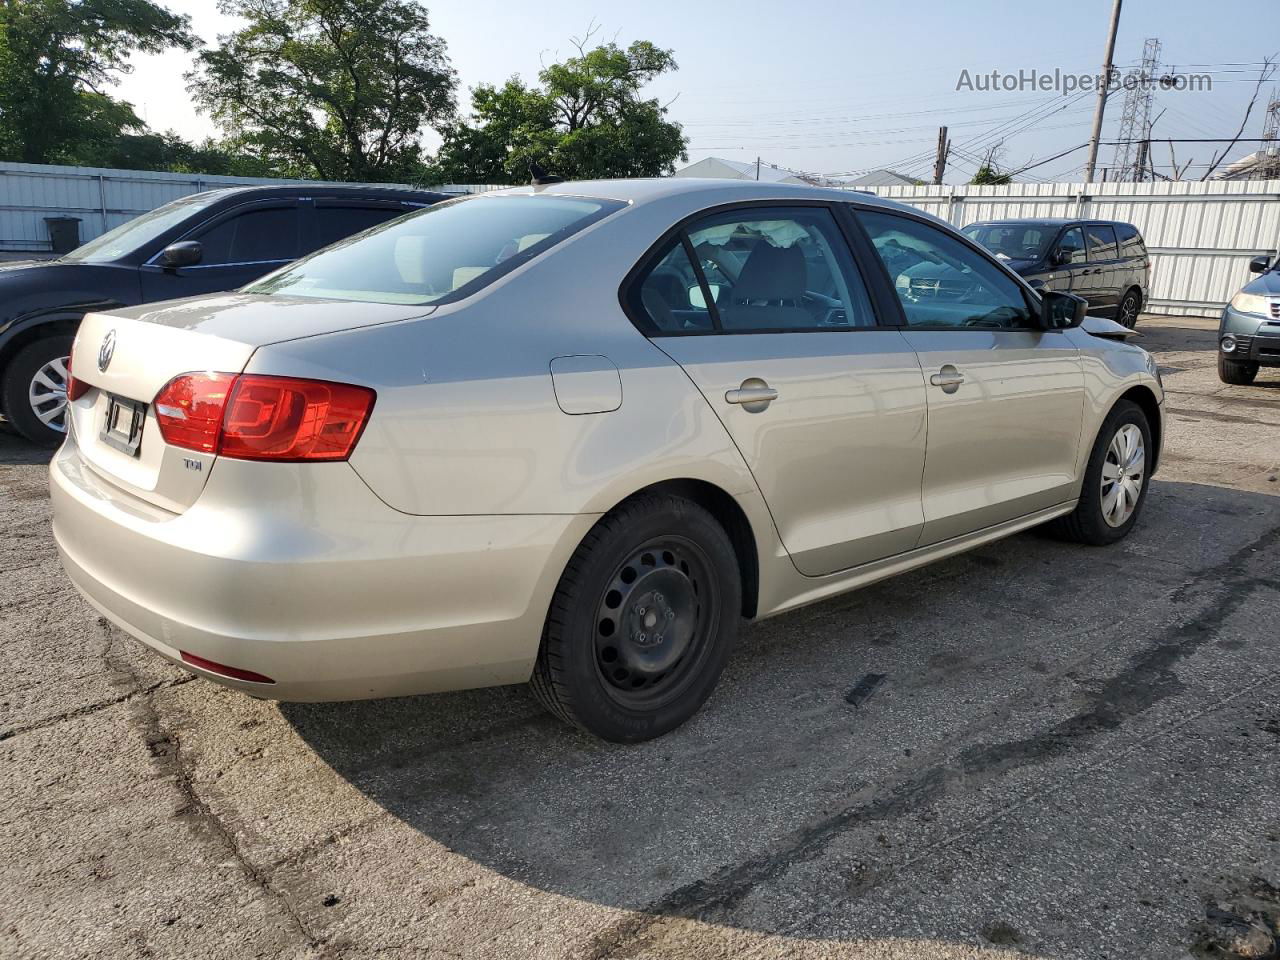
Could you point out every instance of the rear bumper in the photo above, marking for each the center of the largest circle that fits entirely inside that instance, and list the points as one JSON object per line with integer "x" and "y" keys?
{"x": 316, "y": 584}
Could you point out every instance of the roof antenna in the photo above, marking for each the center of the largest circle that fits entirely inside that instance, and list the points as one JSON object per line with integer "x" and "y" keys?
{"x": 539, "y": 176}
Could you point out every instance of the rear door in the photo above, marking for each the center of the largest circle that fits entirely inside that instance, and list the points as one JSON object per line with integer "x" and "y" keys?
{"x": 1105, "y": 273}
{"x": 237, "y": 246}
{"x": 1005, "y": 400}
{"x": 765, "y": 310}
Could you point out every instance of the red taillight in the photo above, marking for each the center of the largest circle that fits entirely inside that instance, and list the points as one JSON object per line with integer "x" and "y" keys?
{"x": 285, "y": 418}
{"x": 75, "y": 388}
{"x": 189, "y": 409}
{"x": 235, "y": 673}
{"x": 253, "y": 417}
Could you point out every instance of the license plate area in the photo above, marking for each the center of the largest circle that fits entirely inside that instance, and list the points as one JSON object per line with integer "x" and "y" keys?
{"x": 122, "y": 428}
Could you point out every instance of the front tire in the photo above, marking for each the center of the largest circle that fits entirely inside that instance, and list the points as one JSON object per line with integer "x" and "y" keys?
{"x": 35, "y": 390}
{"x": 642, "y": 622}
{"x": 1235, "y": 372}
{"x": 1115, "y": 480}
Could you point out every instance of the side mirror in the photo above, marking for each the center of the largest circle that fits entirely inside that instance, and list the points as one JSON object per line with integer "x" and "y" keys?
{"x": 1062, "y": 256}
{"x": 1259, "y": 264}
{"x": 186, "y": 253}
{"x": 1061, "y": 311}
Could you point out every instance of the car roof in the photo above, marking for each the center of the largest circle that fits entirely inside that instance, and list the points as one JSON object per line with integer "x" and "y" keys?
{"x": 701, "y": 190}
{"x": 352, "y": 190}
{"x": 1045, "y": 221}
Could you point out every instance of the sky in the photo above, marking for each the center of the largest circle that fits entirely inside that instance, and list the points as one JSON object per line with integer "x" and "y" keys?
{"x": 838, "y": 88}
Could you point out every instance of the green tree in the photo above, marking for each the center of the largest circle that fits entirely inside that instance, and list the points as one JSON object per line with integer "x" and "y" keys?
{"x": 57, "y": 57}
{"x": 587, "y": 118}
{"x": 335, "y": 89}
{"x": 988, "y": 174}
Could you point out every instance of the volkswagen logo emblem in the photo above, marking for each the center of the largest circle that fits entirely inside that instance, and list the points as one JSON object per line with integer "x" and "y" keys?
{"x": 106, "y": 350}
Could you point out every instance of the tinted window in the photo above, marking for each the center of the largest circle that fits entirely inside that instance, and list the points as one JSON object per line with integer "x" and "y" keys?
{"x": 1072, "y": 243}
{"x": 140, "y": 231}
{"x": 767, "y": 268}
{"x": 267, "y": 233}
{"x": 1012, "y": 241}
{"x": 1102, "y": 241}
{"x": 1131, "y": 244}
{"x": 337, "y": 223}
{"x": 448, "y": 250}
{"x": 940, "y": 281}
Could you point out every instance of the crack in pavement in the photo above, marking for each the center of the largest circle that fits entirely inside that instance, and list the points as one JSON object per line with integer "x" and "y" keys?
{"x": 1148, "y": 679}
{"x": 91, "y": 708}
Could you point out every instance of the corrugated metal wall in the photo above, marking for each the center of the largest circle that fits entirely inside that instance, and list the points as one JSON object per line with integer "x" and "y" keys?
{"x": 1201, "y": 235}
{"x": 102, "y": 198}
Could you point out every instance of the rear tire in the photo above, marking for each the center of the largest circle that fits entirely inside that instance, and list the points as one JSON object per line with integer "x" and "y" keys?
{"x": 1127, "y": 312}
{"x": 642, "y": 622}
{"x": 1110, "y": 499}
{"x": 35, "y": 390}
{"x": 1235, "y": 372}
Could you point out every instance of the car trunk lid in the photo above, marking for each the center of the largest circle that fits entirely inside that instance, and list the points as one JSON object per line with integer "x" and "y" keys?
{"x": 126, "y": 357}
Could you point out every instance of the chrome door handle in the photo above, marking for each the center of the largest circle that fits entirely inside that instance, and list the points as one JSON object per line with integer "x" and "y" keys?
{"x": 948, "y": 378}
{"x": 754, "y": 395}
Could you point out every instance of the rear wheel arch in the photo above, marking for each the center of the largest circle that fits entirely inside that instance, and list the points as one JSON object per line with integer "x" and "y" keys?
{"x": 725, "y": 510}
{"x": 31, "y": 332}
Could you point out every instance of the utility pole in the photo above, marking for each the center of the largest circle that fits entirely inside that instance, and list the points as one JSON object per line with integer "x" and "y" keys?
{"x": 1092, "y": 162}
{"x": 757, "y": 168}
{"x": 940, "y": 163}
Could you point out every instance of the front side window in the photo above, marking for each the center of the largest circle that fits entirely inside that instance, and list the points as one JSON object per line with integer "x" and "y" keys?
{"x": 765, "y": 269}
{"x": 940, "y": 281}
{"x": 254, "y": 236}
{"x": 1102, "y": 242}
{"x": 444, "y": 252}
{"x": 1072, "y": 244}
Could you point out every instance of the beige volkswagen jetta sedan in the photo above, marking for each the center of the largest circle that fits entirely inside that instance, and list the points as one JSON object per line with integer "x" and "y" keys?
{"x": 572, "y": 435}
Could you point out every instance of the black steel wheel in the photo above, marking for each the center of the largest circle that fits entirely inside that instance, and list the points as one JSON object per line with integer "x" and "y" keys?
{"x": 642, "y": 621}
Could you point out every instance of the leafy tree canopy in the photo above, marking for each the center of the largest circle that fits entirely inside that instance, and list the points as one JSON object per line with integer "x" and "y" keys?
{"x": 586, "y": 118}
{"x": 335, "y": 89}
{"x": 57, "y": 57}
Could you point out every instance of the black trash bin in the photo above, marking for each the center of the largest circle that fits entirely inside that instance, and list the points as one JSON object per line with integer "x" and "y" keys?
{"x": 64, "y": 233}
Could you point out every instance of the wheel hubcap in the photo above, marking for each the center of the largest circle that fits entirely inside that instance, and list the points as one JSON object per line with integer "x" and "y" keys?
{"x": 652, "y": 622}
{"x": 1123, "y": 471}
{"x": 47, "y": 394}
{"x": 1129, "y": 312}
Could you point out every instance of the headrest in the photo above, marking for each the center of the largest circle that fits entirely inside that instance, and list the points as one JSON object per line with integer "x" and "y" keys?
{"x": 771, "y": 274}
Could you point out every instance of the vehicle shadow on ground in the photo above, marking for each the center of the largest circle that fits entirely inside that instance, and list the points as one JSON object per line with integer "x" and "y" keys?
{"x": 786, "y": 809}
{"x": 16, "y": 451}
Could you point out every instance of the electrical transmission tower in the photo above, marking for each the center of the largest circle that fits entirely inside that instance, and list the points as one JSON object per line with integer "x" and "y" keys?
{"x": 1269, "y": 152}
{"x": 1130, "y": 159}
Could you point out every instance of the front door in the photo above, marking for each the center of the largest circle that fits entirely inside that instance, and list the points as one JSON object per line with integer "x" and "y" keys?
{"x": 236, "y": 247}
{"x": 764, "y": 309}
{"x": 1071, "y": 272}
{"x": 1005, "y": 400}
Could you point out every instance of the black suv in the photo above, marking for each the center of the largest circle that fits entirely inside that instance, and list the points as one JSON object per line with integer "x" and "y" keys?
{"x": 1103, "y": 261}
{"x": 203, "y": 243}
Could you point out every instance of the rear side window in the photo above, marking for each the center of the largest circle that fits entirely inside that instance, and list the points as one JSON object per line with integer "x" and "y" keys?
{"x": 443, "y": 253}
{"x": 1131, "y": 244}
{"x": 1102, "y": 241}
{"x": 334, "y": 223}
{"x": 753, "y": 270}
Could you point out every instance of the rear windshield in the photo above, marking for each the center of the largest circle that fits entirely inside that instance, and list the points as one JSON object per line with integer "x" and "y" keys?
{"x": 442, "y": 253}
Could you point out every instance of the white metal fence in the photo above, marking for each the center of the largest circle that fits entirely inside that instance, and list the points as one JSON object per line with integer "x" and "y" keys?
{"x": 102, "y": 198}
{"x": 1201, "y": 235}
